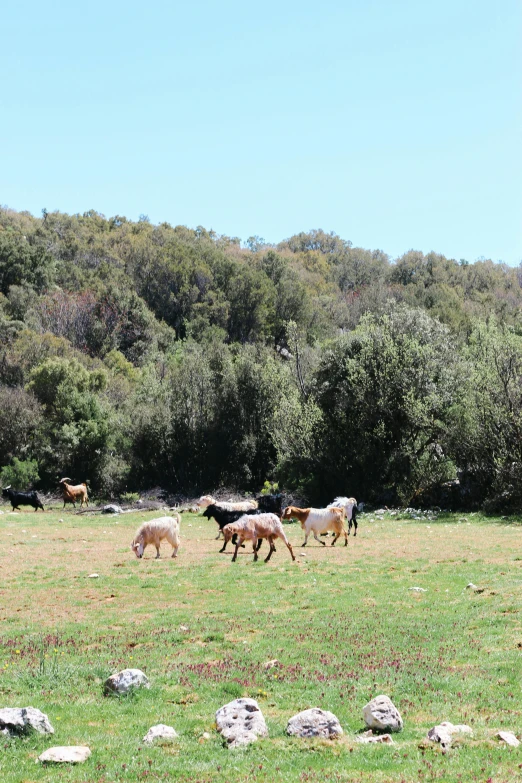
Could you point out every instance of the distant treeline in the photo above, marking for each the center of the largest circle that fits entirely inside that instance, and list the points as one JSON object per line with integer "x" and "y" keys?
{"x": 135, "y": 355}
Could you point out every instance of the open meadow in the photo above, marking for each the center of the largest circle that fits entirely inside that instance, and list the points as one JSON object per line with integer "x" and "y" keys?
{"x": 342, "y": 623}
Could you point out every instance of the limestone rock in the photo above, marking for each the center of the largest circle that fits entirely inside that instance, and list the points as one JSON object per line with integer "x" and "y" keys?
{"x": 125, "y": 681}
{"x": 443, "y": 732}
{"x": 380, "y": 713}
{"x": 369, "y": 736}
{"x": 23, "y": 720}
{"x": 160, "y": 732}
{"x": 241, "y": 722}
{"x": 66, "y": 754}
{"x": 508, "y": 737}
{"x": 314, "y": 723}
{"x": 112, "y": 508}
{"x": 440, "y": 734}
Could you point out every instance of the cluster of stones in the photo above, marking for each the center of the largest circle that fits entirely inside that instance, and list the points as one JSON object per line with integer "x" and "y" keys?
{"x": 240, "y": 722}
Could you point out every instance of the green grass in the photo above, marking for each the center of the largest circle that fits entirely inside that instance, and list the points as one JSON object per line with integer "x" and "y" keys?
{"x": 341, "y": 622}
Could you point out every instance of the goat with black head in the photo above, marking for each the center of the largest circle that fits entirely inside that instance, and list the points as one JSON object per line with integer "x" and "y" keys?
{"x": 18, "y": 499}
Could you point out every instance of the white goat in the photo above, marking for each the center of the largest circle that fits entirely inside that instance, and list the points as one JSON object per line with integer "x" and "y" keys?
{"x": 254, "y": 527}
{"x": 318, "y": 520}
{"x": 240, "y": 505}
{"x": 350, "y": 510}
{"x": 154, "y": 531}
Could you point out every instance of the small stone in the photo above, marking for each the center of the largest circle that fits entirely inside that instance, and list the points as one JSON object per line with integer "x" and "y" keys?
{"x": 112, "y": 508}
{"x": 314, "y": 722}
{"x": 94, "y": 576}
{"x": 184, "y": 628}
{"x": 241, "y": 722}
{"x": 471, "y": 586}
{"x": 23, "y": 720}
{"x": 206, "y": 735}
{"x": 160, "y": 732}
{"x": 418, "y": 589}
{"x": 125, "y": 681}
{"x": 441, "y": 734}
{"x": 271, "y": 664}
{"x": 369, "y": 736}
{"x": 380, "y": 713}
{"x": 60, "y": 520}
{"x": 67, "y": 754}
{"x": 508, "y": 737}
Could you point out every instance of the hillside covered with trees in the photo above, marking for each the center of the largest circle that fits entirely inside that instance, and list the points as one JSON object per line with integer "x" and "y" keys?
{"x": 134, "y": 355}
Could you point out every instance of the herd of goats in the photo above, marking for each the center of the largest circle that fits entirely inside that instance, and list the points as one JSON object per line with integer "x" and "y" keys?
{"x": 248, "y": 520}
{"x": 254, "y": 520}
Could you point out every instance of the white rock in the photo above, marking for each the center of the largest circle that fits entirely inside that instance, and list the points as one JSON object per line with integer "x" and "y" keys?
{"x": 271, "y": 664}
{"x": 441, "y": 734}
{"x": 23, "y": 720}
{"x": 418, "y": 589}
{"x": 67, "y": 754}
{"x": 471, "y": 586}
{"x": 380, "y": 713}
{"x": 444, "y": 732}
{"x": 369, "y": 736}
{"x": 160, "y": 732}
{"x": 94, "y": 576}
{"x": 314, "y": 722}
{"x": 125, "y": 681}
{"x": 241, "y": 722}
{"x": 508, "y": 737}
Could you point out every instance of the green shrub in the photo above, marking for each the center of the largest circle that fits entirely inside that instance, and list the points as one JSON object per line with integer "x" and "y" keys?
{"x": 130, "y": 497}
{"x": 20, "y": 474}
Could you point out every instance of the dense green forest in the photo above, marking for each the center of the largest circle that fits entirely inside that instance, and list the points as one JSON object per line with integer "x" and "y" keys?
{"x": 135, "y": 355}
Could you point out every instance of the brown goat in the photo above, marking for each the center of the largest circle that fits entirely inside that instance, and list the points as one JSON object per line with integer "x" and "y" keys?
{"x": 73, "y": 492}
{"x": 318, "y": 520}
{"x": 253, "y": 528}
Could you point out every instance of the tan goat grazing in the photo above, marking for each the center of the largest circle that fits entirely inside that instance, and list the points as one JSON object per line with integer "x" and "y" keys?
{"x": 318, "y": 520}
{"x": 154, "y": 531}
{"x": 252, "y": 528}
{"x": 72, "y": 493}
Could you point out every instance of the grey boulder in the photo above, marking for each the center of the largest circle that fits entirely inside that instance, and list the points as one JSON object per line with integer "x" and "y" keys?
{"x": 125, "y": 681}
{"x": 314, "y": 722}
{"x": 381, "y": 714}
{"x": 241, "y": 722}
{"x": 24, "y": 720}
{"x": 443, "y": 732}
{"x": 66, "y": 754}
{"x": 160, "y": 733}
{"x": 509, "y": 738}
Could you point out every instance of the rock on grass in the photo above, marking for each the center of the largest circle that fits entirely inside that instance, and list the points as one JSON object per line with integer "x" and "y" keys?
{"x": 315, "y": 722}
{"x": 125, "y": 681}
{"x": 381, "y": 714}
{"x": 241, "y": 722}
{"x": 66, "y": 754}
{"x": 24, "y": 720}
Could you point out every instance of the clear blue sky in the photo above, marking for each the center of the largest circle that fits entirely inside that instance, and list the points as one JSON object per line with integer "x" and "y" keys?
{"x": 397, "y": 124}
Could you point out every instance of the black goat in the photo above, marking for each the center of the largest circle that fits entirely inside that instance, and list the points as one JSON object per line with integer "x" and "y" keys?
{"x": 271, "y": 504}
{"x": 224, "y": 517}
{"x": 22, "y": 498}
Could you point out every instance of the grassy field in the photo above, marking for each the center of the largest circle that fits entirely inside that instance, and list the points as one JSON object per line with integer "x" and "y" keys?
{"x": 341, "y": 621}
